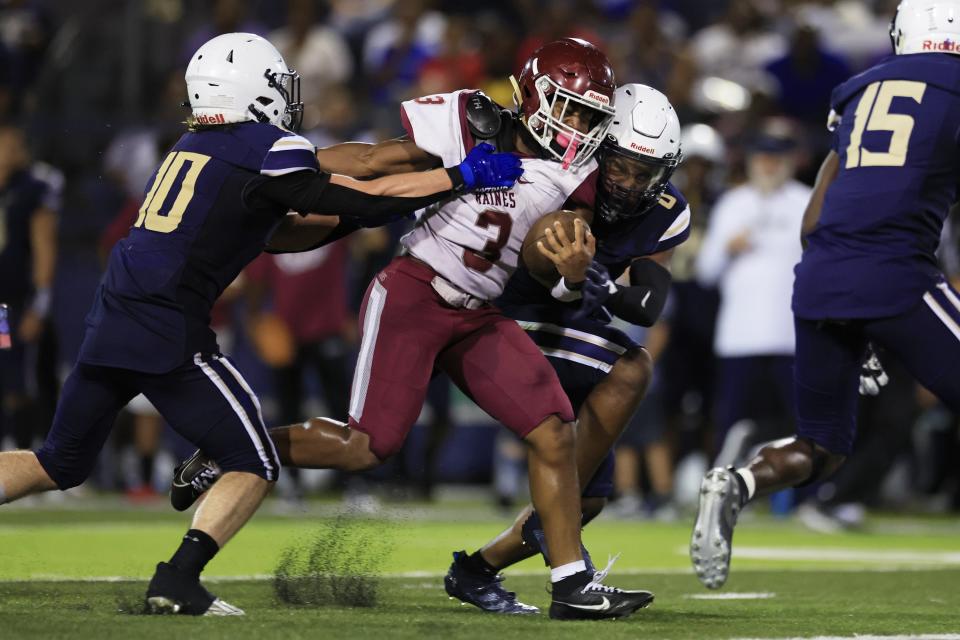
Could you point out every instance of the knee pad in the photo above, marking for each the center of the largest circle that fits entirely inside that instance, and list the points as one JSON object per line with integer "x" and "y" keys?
{"x": 827, "y": 418}
{"x": 65, "y": 471}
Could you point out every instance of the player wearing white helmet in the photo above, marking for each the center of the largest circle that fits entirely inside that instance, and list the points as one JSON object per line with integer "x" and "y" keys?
{"x": 869, "y": 274}
{"x": 239, "y": 77}
{"x": 432, "y": 307}
{"x": 211, "y": 207}
{"x": 639, "y": 217}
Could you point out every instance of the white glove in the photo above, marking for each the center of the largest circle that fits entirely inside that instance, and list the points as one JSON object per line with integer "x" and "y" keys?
{"x": 872, "y": 375}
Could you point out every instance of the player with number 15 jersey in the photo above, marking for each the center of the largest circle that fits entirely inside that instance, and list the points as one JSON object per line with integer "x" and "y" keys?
{"x": 868, "y": 274}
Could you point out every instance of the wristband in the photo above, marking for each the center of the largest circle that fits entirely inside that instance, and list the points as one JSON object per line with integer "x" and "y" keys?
{"x": 458, "y": 178}
{"x": 564, "y": 293}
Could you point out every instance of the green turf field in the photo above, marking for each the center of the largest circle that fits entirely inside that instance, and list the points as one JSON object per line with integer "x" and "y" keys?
{"x": 79, "y": 572}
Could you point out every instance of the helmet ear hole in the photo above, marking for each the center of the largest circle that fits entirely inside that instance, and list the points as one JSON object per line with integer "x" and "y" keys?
{"x": 264, "y": 100}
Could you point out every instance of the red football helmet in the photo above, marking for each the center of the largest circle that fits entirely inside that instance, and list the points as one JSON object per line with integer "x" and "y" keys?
{"x": 558, "y": 73}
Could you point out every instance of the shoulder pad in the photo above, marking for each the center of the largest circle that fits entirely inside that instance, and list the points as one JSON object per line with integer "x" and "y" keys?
{"x": 483, "y": 116}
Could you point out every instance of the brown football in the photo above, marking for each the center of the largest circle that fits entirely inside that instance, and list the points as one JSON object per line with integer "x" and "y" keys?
{"x": 537, "y": 263}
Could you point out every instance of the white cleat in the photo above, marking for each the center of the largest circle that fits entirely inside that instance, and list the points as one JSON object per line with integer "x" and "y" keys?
{"x": 712, "y": 539}
{"x": 221, "y": 608}
{"x": 160, "y": 605}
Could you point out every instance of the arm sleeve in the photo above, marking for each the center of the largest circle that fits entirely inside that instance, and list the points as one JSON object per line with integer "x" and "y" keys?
{"x": 344, "y": 227}
{"x": 309, "y": 192}
{"x": 643, "y": 301}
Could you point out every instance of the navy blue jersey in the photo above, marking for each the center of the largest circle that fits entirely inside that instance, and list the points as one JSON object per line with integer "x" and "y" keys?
{"x": 665, "y": 226}
{"x": 19, "y": 199}
{"x": 197, "y": 229}
{"x": 872, "y": 253}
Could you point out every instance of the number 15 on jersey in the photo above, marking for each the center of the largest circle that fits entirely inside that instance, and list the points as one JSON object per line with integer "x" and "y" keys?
{"x": 873, "y": 114}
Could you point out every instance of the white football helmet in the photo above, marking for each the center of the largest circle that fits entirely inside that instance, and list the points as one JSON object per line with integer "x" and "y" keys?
{"x": 238, "y": 77}
{"x": 639, "y": 153}
{"x": 926, "y": 26}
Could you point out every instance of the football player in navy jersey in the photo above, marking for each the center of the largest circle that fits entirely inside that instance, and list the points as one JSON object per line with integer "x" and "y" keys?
{"x": 638, "y": 218}
{"x": 868, "y": 272}
{"x": 217, "y": 199}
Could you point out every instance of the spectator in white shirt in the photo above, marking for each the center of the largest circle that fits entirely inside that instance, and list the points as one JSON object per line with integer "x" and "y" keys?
{"x": 750, "y": 249}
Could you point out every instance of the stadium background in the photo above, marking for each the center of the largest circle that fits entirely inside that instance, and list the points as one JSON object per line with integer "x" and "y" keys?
{"x": 96, "y": 88}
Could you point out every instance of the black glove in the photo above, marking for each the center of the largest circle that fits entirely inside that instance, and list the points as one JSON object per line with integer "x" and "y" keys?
{"x": 596, "y": 290}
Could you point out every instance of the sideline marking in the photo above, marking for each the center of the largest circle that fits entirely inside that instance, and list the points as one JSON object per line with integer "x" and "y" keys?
{"x": 406, "y": 575}
{"x": 757, "y": 595}
{"x": 912, "y": 636}
{"x": 841, "y": 554}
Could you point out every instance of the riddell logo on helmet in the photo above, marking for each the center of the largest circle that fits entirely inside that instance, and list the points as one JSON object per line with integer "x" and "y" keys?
{"x": 943, "y": 45}
{"x": 596, "y": 97}
{"x": 642, "y": 149}
{"x": 216, "y": 118}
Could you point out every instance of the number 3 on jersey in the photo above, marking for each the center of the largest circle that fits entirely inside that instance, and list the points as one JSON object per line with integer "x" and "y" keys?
{"x": 482, "y": 261}
{"x": 873, "y": 114}
{"x": 153, "y": 214}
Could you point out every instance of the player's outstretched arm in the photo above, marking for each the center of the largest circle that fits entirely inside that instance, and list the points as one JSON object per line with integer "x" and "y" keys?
{"x": 825, "y": 176}
{"x": 376, "y": 202}
{"x": 303, "y": 233}
{"x": 364, "y": 160}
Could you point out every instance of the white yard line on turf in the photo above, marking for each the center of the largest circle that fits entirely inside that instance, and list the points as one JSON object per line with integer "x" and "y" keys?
{"x": 759, "y": 595}
{"x": 839, "y": 554}
{"x": 912, "y": 636}
{"x": 654, "y": 571}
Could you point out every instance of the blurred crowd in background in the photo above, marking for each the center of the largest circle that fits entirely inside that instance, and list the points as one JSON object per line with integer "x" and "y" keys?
{"x": 90, "y": 99}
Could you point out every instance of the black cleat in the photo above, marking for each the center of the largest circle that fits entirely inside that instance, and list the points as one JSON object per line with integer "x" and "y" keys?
{"x": 596, "y": 601}
{"x": 192, "y": 479}
{"x": 172, "y": 591}
{"x": 482, "y": 590}
{"x": 532, "y": 534}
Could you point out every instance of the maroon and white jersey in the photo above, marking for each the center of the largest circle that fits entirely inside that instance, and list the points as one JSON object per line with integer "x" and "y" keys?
{"x": 474, "y": 240}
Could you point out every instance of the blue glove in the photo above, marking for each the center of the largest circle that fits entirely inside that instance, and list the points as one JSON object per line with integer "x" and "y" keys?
{"x": 596, "y": 290}
{"x": 484, "y": 169}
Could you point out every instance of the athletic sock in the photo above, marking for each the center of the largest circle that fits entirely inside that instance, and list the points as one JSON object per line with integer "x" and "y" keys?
{"x": 566, "y": 570}
{"x": 747, "y": 482}
{"x": 571, "y": 583}
{"x": 196, "y": 550}
{"x": 475, "y": 563}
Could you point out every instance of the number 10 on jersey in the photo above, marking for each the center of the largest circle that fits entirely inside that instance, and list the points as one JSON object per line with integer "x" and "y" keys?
{"x": 153, "y": 216}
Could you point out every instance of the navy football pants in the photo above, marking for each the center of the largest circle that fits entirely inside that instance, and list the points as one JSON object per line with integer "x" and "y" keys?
{"x": 926, "y": 339}
{"x": 206, "y": 401}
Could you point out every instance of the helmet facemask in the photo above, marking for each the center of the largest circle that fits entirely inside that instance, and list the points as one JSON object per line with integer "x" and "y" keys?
{"x": 288, "y": 86}
{"x": 629, "y": 184}
{"x": 565, "y": 143}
